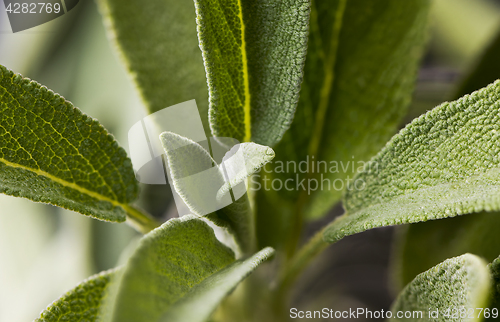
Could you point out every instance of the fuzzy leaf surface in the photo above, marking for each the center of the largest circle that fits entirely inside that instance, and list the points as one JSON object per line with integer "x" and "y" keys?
{"x": 53, "y": 153}
{"x": 204, "y": 185}
{"x": 359, "y": 74}
{"x": 198, "y": 304}
{"x": 458, "y": 282}
{"x": 495, "y": 272}
{"x": 254, "y": 54}
{"x": 81, "y": 303}
{"x": 443, "y": 164}
{"x": 475, "y": 233}
{"x": 175, "y": 265}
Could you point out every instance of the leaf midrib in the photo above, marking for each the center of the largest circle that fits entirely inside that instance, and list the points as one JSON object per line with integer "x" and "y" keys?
{"x": 246, "y": 82}
{"x": 67, "y": 184}
{"x": 64, "y": 138}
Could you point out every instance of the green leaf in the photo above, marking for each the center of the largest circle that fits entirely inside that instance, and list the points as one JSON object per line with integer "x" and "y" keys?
{"x": 495, "y": 272}
{"x": 53, "y": 153}
{"x": 359, "y": 75}
{"x": 441, "y": 165}
{"x": 158, "y": 42}
{"x": 458, "y": 282}
{"x": 201, "y": 300}
{"x": 254, "y": 53}
{"x": 204, "y": 186}
{"x": 177, "y": 270}
{"x": 417, "y": 251}
{"x": 476, "y": 234}
{"x": 81, "y": 303}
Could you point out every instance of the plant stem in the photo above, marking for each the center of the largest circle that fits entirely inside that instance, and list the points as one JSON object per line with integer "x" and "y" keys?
{"x": 296, "y": 229}
{"x": 140, "y": 220}
{"x": 300, "y": 261}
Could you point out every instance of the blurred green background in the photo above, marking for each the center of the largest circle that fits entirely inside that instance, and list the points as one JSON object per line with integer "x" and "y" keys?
{"x": 45, "y": 251}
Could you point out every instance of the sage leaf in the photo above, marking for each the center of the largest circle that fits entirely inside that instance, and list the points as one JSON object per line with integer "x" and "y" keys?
{"x": 475, "y": 233}
{"x": 359, "y": 75}
{"x": 81, "y": 303}
{"x": 458, "y": 282}
{"x": 254, "y": 53}
{"x": 495, "y": 272}
{"x": 199, "y": 303}
{"x": 443, "y": 164}
{"x": 172, "y": 272}
{"x": 205, "y": 186}
{"x": 158, "y": 42}
{"x": 53, "y": 153}
{"x": 249, "y": 159}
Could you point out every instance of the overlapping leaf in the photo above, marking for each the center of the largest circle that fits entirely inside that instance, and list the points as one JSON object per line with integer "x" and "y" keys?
{"x": 179, "y": 270}
{"x": 443, "y": 164}
{"x": 81, "y": 303}
{"x": 359, "y": 73}
{"x": 205, "y": 186}
{"x": 158, "y": 41}
{"x": 50, "y": 152}
{"x": 476, "y": 234}
{"x": 254, "y": 53}
{"x": 459, "y": 282}
{"x": 495, "y": 273}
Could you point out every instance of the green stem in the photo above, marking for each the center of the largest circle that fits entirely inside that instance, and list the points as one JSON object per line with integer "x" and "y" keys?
{"x": 140, "y": 220}
{"x": 300, "y": 261}
{"x": 330, "y": 59}
{"x": 293, "y": 268}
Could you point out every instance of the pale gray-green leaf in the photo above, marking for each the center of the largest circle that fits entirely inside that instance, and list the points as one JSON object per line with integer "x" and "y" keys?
{"x": 458, "y": 282}
{"x": 477, "y": 234}
{"x": 359, "y": 74}
{"x": 443, "y": 164}
{"x": 199, "y": 303}
{"x": 53, "y": 153}
{"x": 81, "y": 303}
{"x": 250, "y": 158}
{"x": 495, "y": 273}
{"x": 176, "y": 262}
{"x": 203, "y": 185}
{"x": 416, "y": 245}
{"x": 254, "y": 53}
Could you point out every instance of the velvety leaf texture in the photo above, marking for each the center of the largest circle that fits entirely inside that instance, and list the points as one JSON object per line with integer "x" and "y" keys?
{"x": 495, "y": 272}
{"x": 168, "y": 262}
{"x": 475, "y": 233}
{"x": 458, "y": 282}
{"x": 359, "y": 74}
{"x": 53, "y": 153}
{"x": 205, "y": 188}
{"x": 443, "y": 164}
{"x": 199, "y": 303}
{"x": 157, "y": 39}
{"x": 81, "y": 303}
{"x": 177, "y": 270}
{"x": 254, "y": 53}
